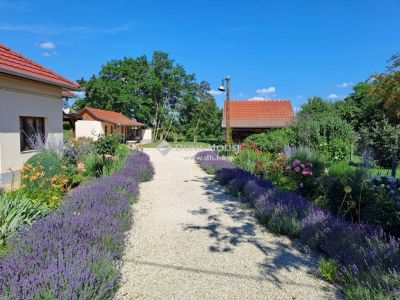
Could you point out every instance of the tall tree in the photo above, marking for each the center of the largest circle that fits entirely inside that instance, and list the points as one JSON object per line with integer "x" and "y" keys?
{"x": 157, "y": 92}
{"x": 386, "y": 86}
{"x": 206, "y": 116}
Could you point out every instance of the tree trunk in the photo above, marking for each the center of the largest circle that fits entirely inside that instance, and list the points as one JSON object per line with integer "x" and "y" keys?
{"x": 394, "y": 162}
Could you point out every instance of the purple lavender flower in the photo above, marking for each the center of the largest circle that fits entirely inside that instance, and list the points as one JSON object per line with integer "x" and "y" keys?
{"x": 72, "y": 253}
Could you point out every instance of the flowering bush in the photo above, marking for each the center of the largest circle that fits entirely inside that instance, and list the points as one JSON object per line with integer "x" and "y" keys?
{"x": 303, "y": 174}
{"x": 369, "y": 258}
{"x": 385, "y": 184}
{"x": 253, "y": 160}
{"x": 72, "y": 253}
{"x": 45, "y": 184}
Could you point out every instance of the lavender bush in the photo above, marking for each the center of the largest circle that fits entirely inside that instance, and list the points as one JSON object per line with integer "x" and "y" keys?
{"x": 73, "y": 253}
{"x": 210, "y": 162}
{"x": 369, "y": 258}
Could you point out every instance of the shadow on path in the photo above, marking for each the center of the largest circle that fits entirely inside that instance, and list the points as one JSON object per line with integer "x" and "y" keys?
{"x": 279, "y": 253}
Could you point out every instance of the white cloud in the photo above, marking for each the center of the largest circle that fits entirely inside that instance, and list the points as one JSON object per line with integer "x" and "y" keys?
{"x": 333, "y": 97}
{"x": 57, "y": 29}
{"x": 345, "y": 85}
{"x": 46, "y": 54}
{"x": 215, "y": 92}
{"x": 241, "y": 94}
{"x": 80, "y": 95}
{"x": 47, "y": 45}
{"x": 258, "y": 98}
{"x": 299, "y": 97}
{"x": 266, "y": 91}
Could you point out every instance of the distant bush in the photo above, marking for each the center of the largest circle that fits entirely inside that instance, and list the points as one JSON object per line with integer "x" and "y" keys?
{"x": 272, "y": 141}
{"x": 383, "y": 139}
{"x": 327, "y": 134}
{"x": 107, "y": 145}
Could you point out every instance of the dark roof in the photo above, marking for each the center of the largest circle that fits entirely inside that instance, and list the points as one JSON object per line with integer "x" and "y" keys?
{"x": 258, "y": 114}
{"x": 15, "y": 64}
{"x": 110, "y": 117}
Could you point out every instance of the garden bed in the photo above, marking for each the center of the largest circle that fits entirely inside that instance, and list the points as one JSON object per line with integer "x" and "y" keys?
{"x": 364, "y": 259}
{"x": 74, "y": 252}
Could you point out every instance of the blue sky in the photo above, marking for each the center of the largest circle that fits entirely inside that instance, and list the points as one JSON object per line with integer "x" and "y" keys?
{"x": 271, "y": 49}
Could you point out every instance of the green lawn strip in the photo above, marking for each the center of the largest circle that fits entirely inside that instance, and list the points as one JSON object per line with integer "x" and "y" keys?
{"x": 179, "y": 145}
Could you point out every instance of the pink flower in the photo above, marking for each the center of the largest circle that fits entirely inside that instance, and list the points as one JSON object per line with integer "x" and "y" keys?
{"x": 307, "y": 172}
{"x": 296, "y": 163}
{"x": 308, "y": 165}
{"x": 302, "y": 166}
{"x": 297, "y": 169}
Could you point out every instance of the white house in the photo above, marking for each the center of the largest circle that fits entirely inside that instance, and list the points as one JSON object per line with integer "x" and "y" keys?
{"x": 30, "y": 105}
{"x": 97, "y": 122}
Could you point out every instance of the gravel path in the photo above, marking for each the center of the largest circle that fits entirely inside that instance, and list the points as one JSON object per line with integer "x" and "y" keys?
{"x": 190, "y": 240}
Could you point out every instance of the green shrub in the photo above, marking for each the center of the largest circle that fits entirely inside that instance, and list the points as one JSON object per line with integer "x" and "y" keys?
{"x": 272, "y": 141}
{"x": 44, "y": 179}
{"x": 356, "y": 292}
{"x": 344, "y": 190}
{"x": 328, "y": 269}
{"x": 123, "y": 152}
{"x": 326, "y": 133}
{"x": 253, "y": 161}
{"x": 46, "y": 162}
{"x": 380, "y": 209}
{"x": 382, "y": 138}
{"x": 94, "y": 165}
{"x": 107, "y": 145}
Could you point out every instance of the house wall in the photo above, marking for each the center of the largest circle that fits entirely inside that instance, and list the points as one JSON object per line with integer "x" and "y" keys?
{"x": 115, "y": 128}
{"x": 89, "y": 129}
{"x": 146, "y": 136}
{"x": 23, "y": 97}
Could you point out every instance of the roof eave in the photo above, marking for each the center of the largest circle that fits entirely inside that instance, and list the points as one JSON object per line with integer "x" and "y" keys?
{"x": 18, "y": 74}
{"x": 281, "y": 126}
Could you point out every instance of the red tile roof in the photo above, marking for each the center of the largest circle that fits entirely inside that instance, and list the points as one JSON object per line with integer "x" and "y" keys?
{"x": 68, "y": 94}
{"x": 258, "y": 114}
{"x": 110, "y": 116}
{"x": 15, "y": 64}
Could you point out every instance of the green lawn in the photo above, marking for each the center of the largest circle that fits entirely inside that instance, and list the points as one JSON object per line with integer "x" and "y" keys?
{"x": 184, "y": 144}
{"x": 375, "y": 171}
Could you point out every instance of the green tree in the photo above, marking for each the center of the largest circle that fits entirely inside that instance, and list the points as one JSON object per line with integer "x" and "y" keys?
{"x": 157, "y": 92}
{"x": 386, "y": 86}
{"x": 361, "y": 108}
{"x": 206, "y": 117}
{"x": 319, "y": 127}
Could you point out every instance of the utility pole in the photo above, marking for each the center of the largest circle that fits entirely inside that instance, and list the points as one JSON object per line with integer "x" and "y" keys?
{"x": 226, "y": 87}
